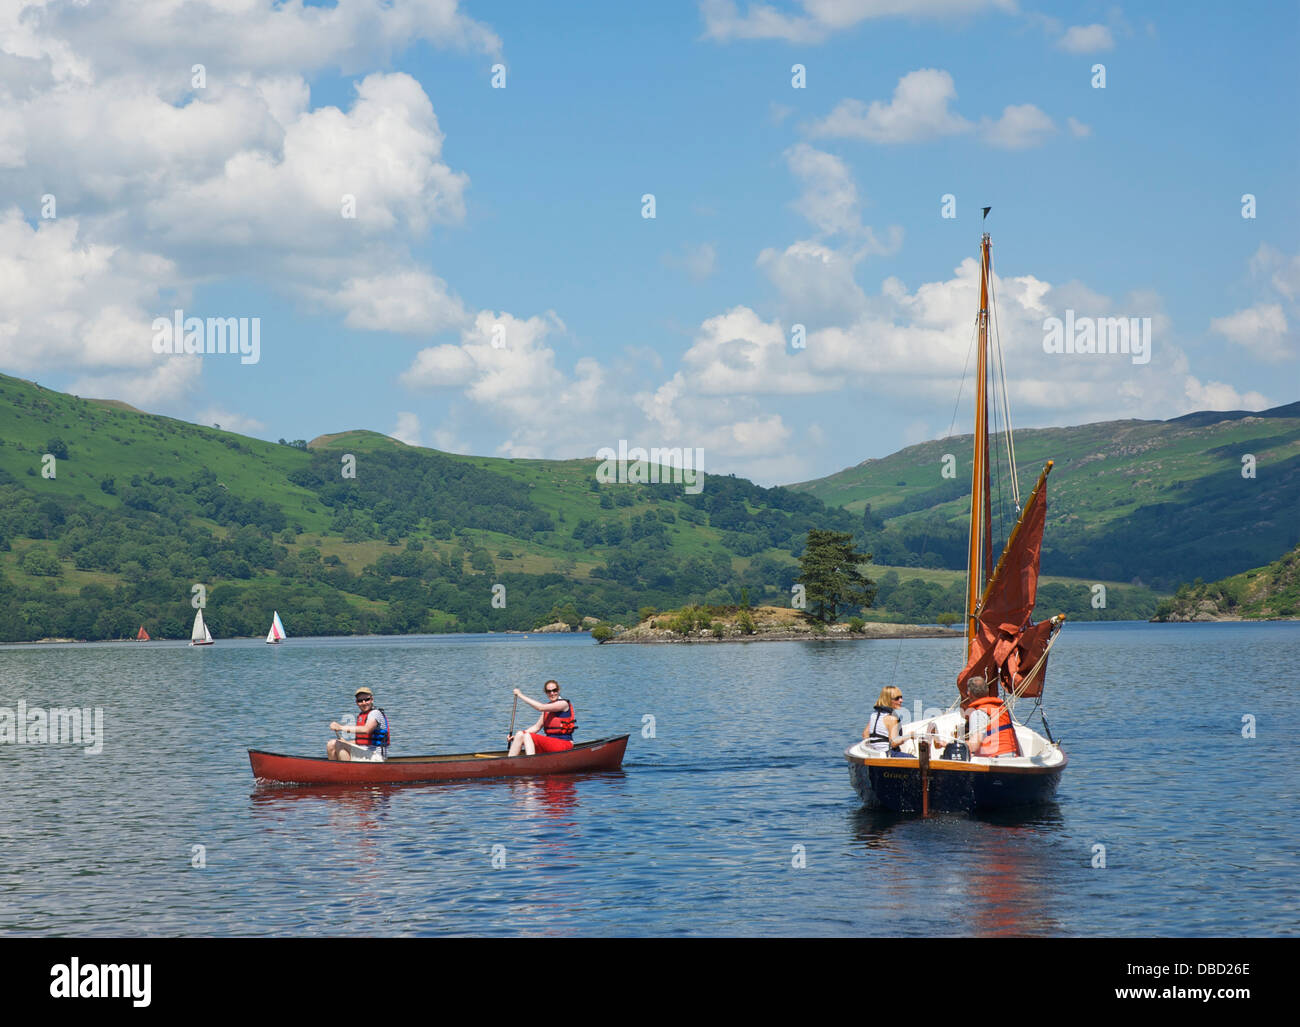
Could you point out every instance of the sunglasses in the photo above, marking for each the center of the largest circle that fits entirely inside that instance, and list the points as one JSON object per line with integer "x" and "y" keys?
{"x": 365, "y": 698}
{"x": 552, "y": 691}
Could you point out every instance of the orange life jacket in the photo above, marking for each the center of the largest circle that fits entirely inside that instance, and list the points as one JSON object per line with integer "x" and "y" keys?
{"x": 1000, "y": 739}
{"x": 560, "y": 725}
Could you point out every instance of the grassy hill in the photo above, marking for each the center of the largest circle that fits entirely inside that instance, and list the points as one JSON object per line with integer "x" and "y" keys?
{"x": 1127, "y": 500}
{"x": 357, "y": 532}
{"x": 1263, "y": 593}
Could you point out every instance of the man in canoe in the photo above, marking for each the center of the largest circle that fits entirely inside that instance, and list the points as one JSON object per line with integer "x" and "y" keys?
{"x": 554, "y": 729}
{"x": 371, "y": 729}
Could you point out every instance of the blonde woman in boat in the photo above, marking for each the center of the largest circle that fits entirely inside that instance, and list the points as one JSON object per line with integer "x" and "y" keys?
{"x": 882, "y": 731}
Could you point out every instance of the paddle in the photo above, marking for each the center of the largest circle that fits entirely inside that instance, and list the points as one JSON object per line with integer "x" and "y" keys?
{"x": 513, "y": 708}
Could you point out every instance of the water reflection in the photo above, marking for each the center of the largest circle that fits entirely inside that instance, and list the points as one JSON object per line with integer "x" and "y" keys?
{"x": 1012, "y": 874}
{"x": 871, "y": 827}
{"x": 353, "y": 816}
{"x": 554, "y": 798}
{"x": 953, "y": 873}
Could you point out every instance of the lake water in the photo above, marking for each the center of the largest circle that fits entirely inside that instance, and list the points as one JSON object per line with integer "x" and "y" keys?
{"x": 733, "y": 816}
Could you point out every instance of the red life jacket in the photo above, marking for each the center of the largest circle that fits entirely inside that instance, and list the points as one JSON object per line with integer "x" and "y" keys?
{"x": 559, "y": 725}
{"x": 380, "y": 733}
{"x": 1000, "y": 739}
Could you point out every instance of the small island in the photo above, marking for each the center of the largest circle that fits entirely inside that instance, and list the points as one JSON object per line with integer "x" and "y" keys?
{"x": 1271, "y": 592}
{"x": 831, "y": 581}
{"x": 757, "y": 624}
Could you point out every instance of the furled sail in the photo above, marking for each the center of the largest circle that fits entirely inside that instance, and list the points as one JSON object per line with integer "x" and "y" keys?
{"x": 1006, "y": 645}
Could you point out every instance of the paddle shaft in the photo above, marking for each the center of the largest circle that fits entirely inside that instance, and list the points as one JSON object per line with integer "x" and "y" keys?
{"x": 512, "y": 718}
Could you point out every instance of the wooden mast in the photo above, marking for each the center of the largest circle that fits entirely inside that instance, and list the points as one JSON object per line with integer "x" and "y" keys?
{"x": 977, "y": 562}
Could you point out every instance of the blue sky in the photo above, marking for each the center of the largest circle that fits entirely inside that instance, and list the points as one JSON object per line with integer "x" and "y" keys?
{"x": 514, "y": 215}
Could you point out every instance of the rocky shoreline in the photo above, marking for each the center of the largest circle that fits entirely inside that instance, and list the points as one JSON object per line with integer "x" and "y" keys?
{"x": 766, "y": 624}
{"x": 876, "y": 631}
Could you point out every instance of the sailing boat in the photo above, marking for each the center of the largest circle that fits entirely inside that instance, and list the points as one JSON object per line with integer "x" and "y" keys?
{"x": 142, "y": 635}
{"x": 200, "y": 635}
{"x": 276, "y": 634}
{"x": 1003, "y": 646}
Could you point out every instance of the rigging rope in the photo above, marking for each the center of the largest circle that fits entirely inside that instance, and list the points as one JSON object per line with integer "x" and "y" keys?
{"x": 1006, "y": 398}
{"x": 1029, "y": 678}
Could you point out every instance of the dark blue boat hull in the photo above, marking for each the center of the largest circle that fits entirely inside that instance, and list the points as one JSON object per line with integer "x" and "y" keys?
{"x": 899, "y": 787}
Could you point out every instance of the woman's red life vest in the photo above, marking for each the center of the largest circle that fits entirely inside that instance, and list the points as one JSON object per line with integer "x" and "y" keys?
{"x": 560, "y": 725}
{"x": 1000, "y": 740}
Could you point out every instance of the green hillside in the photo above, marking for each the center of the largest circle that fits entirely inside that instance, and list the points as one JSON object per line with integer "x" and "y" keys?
{"x": 358, "y": 533}
{"x": 1263, "y": 593}
{"x": 1127, "y": 500}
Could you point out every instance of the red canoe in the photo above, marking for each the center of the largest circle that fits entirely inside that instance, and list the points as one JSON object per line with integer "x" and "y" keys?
{"x": 274, "y": 768}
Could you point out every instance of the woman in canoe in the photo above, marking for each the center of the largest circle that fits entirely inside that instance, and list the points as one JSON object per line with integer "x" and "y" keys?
{"x": 553, "y": 731}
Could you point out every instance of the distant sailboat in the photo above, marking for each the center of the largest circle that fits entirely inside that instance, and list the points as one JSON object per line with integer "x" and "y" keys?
{"x": 143, "y": 636}
{"x": 276, "y": 634}
{"x": 200, "y": 635}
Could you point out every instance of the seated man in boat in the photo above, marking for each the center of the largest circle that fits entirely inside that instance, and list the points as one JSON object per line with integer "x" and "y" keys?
{"x": 371, "y": 729}
{"x": 882, "y": 731}
{"x": 554, "y": 729}
{"x": 991, "y": 731}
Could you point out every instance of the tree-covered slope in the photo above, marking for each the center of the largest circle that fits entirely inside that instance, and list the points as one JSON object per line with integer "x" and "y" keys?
{"x": 110, "y": 517}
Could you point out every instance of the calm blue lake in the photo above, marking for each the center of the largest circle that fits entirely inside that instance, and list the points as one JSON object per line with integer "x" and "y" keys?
{"x": 733, "y": 814}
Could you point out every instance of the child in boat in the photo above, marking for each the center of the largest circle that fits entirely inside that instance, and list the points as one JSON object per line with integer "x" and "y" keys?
{"x": 370, "y": 744}
{"x": 554, "y": 729}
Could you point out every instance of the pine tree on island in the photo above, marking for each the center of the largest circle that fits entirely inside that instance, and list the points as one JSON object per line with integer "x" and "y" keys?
{"x": 830, "y": 575}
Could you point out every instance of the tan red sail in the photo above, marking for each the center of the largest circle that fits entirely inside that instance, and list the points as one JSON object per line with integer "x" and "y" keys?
{"x": 1005, "y": 644}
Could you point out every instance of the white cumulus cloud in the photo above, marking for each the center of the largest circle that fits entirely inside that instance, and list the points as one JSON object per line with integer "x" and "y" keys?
{"x": 1083, "y": 39}
{"x": 918, "y": 111}
{"x": 816, "y": 20}
{"x": 1020, "y": 127}
{"x": 407, "y": 428}
{"x": 1262, "y": 329}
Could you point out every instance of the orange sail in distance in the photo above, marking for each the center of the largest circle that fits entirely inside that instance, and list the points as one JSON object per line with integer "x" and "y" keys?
{"x": 143, "y": 636}
{"x": 1006, "y": 645}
